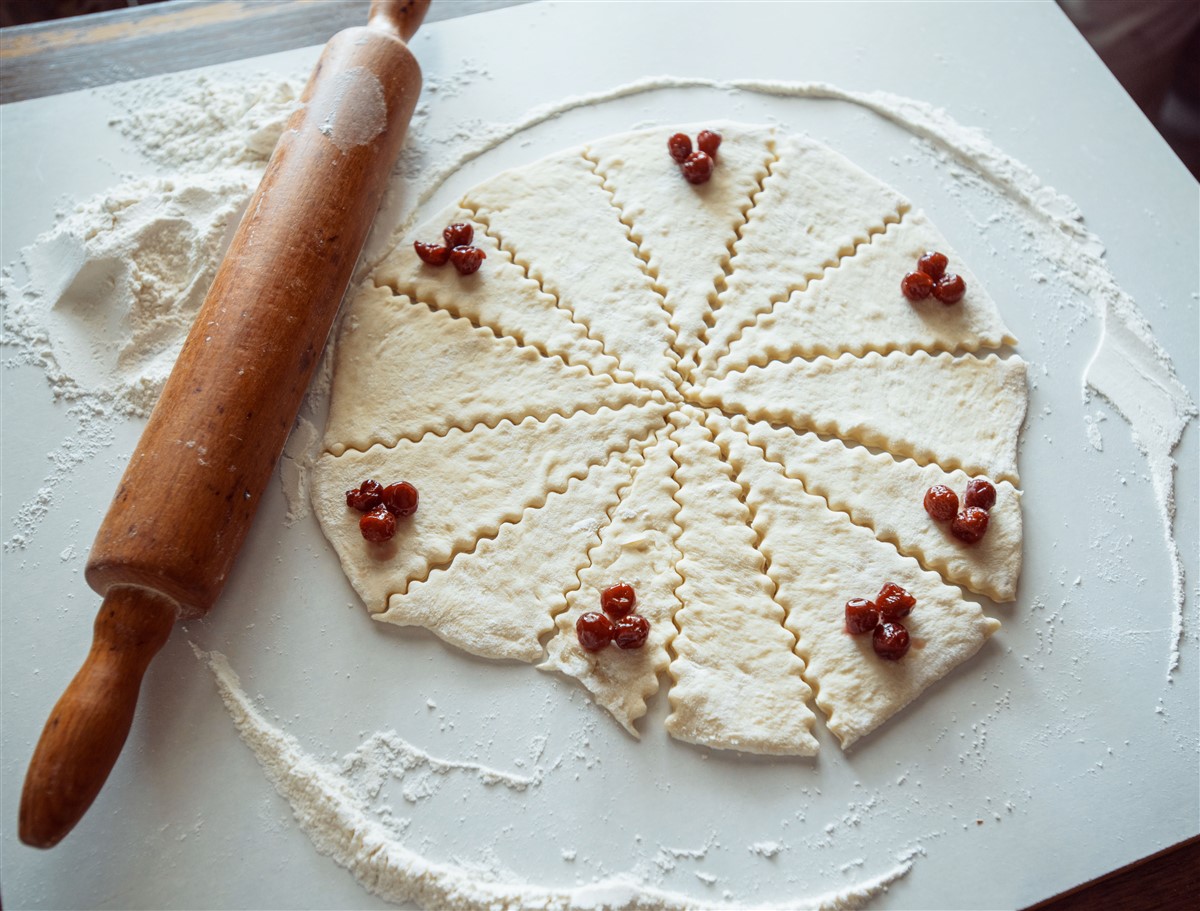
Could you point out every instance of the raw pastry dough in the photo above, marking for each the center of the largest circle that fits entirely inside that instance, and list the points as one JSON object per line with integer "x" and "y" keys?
{"x": 855, "y": 690}
{"x": 501, "y": 297}
{"x": 638, "y": 546}
{"x": 737, "y": 681}
{"x": 560, "y": 222}
{"x": 456, "y": 375}
{"x": 858, "y": 307}
{"x": 887, "y": 495}
{"x": 498, "y": 599}
{"x": 963, "y": 412}
{"x": 631, "y": 388}
{"x": 470, "y": 482}
{"x": 814, "y": 210}
{"x": 686, "y": 238}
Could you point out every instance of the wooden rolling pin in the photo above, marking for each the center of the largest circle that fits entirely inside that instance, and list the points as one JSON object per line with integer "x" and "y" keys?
{"x": 187, "y": 499}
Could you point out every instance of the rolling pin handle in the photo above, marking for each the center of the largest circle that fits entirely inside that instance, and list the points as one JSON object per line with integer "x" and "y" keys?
{"x": 401, "y": 18}
{"x": 89, "y": 724}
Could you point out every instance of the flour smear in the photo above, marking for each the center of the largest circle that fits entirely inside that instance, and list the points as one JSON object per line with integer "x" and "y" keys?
{"x": 333, "y": 810}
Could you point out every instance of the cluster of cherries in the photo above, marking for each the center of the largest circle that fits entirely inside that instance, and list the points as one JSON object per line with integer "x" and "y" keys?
{"x": 696, "y": 167}
{"x": 456, "y": 250}
{"x": 971, "y": 523}
{"x": 890, "y": 638}
{"x": 617, "y": 624}
{"x": 931, "y": 277}
{"x": 381, "y": 507}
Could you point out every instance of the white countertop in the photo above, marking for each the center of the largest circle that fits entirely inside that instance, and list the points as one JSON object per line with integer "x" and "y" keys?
{"x": 1063, "y": 736}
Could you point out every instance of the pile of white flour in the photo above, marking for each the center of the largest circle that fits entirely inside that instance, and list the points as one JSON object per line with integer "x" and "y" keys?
{"x": 111, "y": 290}
{"x": 115, "y": 285}
{"x": 208, "y": 122}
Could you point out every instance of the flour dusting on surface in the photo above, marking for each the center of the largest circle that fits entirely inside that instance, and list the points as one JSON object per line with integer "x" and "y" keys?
{"x": 207, "y": 121}
{"x": 357, "y": 111}
{"x": 333, "y": 810}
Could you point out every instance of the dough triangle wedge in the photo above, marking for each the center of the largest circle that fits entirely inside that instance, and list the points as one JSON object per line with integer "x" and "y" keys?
{"x": 560, "y": 223}
{"x": 685, "y": 232}
{"x": 858, "y": 307}
{"x": 857, "y": 690}
{"x": 737, "y": 682}
{"x": 470, "y": 483}
{"x": 815, "y": 207}
{"x": 498, "y": 600}
{"x": 960, "y": 412}
{"x": 403, "y": 370}
{"x": 636, "y": 547}
{"x": 499, "y": 296}
{"x": 887, "y": 495}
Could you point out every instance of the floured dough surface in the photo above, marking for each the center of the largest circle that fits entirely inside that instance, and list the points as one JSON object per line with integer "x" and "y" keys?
{"x": 856, "y": 691}
{"x": 960, "y": 412}
{"x": 737, "y": 680}
{"x": 714, "y": 393}
{"x": 857, "y": 307}
{"x": 638, "y": 546}
{"x": 887, "y": 495}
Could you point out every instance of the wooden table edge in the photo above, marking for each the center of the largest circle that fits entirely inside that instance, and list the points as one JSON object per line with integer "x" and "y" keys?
{"x": 81, "y": 52}
{"x": 1162, "y": 881}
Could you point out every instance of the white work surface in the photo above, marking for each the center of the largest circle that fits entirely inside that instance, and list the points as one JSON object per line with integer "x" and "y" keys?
{"x": 1059, "y": 753}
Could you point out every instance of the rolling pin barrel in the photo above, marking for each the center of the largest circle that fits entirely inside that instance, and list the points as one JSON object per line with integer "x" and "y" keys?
{"x": 192, "y": 487}
{"x": 189, "y": 494}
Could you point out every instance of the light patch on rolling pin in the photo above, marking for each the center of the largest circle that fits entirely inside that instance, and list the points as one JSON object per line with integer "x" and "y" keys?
{"x": 357, "y": 112}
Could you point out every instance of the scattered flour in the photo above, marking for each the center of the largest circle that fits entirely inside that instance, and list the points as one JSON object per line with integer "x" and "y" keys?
{"x": 385, "y": 755}
{"x": 333, "y": 812}
{"x": 1095, "y": 437}
{"x": 184, "y": 121}
{"x": 94, "y": 432}
{"x": 766, "y": 849}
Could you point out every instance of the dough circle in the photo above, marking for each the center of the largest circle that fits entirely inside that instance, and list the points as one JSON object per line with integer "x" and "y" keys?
{"x": 715, "y": 393}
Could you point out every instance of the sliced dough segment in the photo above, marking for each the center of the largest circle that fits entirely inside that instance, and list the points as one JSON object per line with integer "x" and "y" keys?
{"x": 814, "y": 208}
{"x": 403, "y": 370}
{"x": 737, "y": 682}
{"x": 560, "y": 223}
{"x": 888, "y": 495}
{"x": 470, "y": 482}
{"x": 636, "y": 547}
{"x": 855, "y": 689}
{"x": 961, "y": 412}
{"x": 498, "y": 296}
{"x": 498, "y": 600}
{"x": 685, "y": 231}
{"x": 858, "y": 307}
